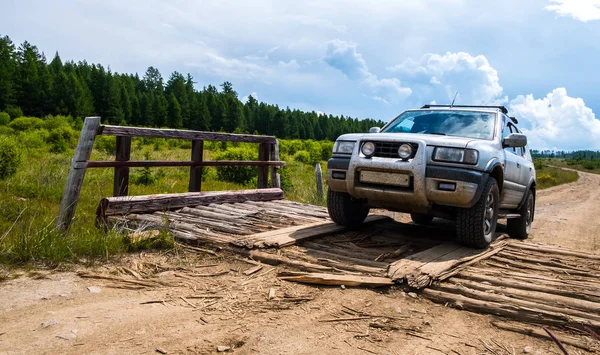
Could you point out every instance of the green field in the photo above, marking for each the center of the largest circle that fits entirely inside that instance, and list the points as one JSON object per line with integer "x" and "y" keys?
{"x": 548, "y": 176}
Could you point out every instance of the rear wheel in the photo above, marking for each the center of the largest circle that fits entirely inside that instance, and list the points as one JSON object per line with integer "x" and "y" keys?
{"x": 520, "y": 227}
{"x": 421, "y": 218}
{"x": 345, "y": 210}
{"x": 476, "y": 225}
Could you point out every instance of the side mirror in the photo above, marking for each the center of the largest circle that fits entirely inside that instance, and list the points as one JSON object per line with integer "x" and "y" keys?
{"x": 515, "y": 140}
{"x": 374, "y": 130}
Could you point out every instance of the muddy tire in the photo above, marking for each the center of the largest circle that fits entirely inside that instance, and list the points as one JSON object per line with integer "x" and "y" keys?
{"x": 422, "y": 219}
{"x": 476, "y": 225}
{"x": 519, "y": 228}
{"x": 345, "y": 210}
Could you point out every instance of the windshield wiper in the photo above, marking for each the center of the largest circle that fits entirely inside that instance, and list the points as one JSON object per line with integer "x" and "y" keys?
{"x": 438, "y": 133}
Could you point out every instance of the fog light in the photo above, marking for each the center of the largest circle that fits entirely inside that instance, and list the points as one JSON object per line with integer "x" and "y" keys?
{"x": 405, "y": 151}
{"x": 339, "y": 175}
{"x": 447, "y": 186}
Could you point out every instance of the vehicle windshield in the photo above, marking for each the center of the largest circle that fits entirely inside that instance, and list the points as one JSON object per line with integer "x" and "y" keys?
{"x": 470, "y": 124}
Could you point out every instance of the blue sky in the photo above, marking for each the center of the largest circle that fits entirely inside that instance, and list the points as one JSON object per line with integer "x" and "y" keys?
{"x": 363, "y": 58}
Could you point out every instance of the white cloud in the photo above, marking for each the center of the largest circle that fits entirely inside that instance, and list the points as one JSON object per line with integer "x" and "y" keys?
{"x": 438, "y": 77}
{"x": 582, "y": 10}
{"x": 253, "y": 94}
{"x": 557, "y": 121}
{"x": 344, "y": 57}
{"x": 292, "y": 64}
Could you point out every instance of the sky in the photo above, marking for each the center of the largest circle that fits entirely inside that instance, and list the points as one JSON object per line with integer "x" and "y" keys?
{"x": 359, "y": 58}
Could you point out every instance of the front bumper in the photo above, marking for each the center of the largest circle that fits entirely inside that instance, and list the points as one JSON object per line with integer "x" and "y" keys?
{"x": 428, "y": 185}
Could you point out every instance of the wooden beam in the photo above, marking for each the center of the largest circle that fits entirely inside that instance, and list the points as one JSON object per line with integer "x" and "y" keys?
{"x": 108, "y": 130}
{"x": 123, "y": 205}
{"x": 195, "y": 184}
{"x": 121, "y": 180}
{"x": 72, "y": 190}
{"x": 335, "y": 279}
{"x": 275, "y": 177}
{"x": 263, "y": 171}
{"x": 150, "y": 163}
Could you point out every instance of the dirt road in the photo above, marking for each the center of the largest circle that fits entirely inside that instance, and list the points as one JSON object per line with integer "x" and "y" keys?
{"x": 196, "y": 305}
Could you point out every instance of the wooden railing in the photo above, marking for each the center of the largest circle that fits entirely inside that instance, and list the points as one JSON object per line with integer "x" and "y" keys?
{"x": 268, "y": 158}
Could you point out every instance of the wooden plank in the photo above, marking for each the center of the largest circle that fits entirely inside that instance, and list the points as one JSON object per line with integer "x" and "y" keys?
{"x": 552, "y": 249}
{"x": 195, "y": 184}
{"x": 151, "y": 163}
{"x": 263, "y": 171}
{"x": 334, "y": 279}
{"x": 121, "y": 179}
{"x": 288, "y": 236}
{"x": 295, "y": 210}
{"x": 402, "y": 268}
{"x": 72, "y": 190}
{"x": 182, "y": 134}
{"x": 332, "y": 255}
{"x": 275, "y": 177}
{"x": 162, "y": 202}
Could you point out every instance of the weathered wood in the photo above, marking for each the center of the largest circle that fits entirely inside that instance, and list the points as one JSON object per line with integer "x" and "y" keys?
{"x": 516, "y": 245}
{"x": 336, "y": 264}
{"x": 538, "y": 333}
{"x": 195, "y": 184}
{"x": 121, "y": 179}
{"x": 525, "y": 265}
{"x": 527, "y": 314}
{"x": 551, "y": 260}
{"x": 409, "y": 266}
{"x": 296, "y": 210}
{"x": 275, "y": 259}
{"x": 288, "y": 236}
{"x": 72, "y": 190}
{"x": 549, "y": 298}
{"x": 263, "y": 171}
{"x": 334, "y": 279}
{"x": 151, "y": 163}
{"x": 182, "y": 134}
{"x": 319, "y": 181}
{"x": 583, "y": 318}
{"x": 162, "y": 202}
{"x": 275, "y": 177}
{"x": 504, "y": 281}
{"x": 317, "y": 252}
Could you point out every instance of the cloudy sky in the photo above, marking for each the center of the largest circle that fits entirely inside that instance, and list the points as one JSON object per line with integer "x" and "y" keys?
{"x": 363, "y": 58}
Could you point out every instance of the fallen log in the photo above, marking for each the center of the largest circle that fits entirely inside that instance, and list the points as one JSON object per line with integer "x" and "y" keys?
{"x": 538, "y": 333}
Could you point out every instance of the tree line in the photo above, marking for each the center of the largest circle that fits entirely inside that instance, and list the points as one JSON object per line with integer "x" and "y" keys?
{"x": 31, "y": 86}
{"x": 577, "y": 154}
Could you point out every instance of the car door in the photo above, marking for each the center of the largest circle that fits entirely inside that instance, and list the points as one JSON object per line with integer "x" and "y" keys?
{"x": 526, "y": 168}
{"x": 513, "y": 188}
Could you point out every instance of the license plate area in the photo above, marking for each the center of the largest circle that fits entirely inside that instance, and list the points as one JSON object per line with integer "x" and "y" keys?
{"x": 384, "y": 178}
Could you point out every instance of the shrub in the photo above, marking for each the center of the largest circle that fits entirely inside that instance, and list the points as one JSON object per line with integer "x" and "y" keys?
{"x": 237, "y": 174}
{"x": 53, "y": 122}
{"x": 6, "y": 131}
{"x": 107, "y": 144}
{"x": 4, "y": 118}
{"x": 539, "y": 164}
{"x": 590, "y": 165}
{"x": 26, "y": 123}
{"x": 546, "y": 179}
{"x": 14, "y": 112}
{"x": 326, "y": 150}
{"x": 33, "y": 139}
{"x": 60, "y": 139}
{"x": 10, "y": 157}
{"x": 145, "y": 176}
{"x": 302, "y": 156}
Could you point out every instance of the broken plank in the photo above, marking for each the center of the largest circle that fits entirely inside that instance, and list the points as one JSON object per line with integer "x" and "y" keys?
{"x": 334, "y": 279}
{"x": 289, "y": 236}
{"x": 253, "y": 270}
{"x": 538, "y": 333}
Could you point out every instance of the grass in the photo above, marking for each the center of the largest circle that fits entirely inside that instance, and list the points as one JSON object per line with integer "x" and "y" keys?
{"x": 548, "y": 176}
{"x": 30, "y": 199}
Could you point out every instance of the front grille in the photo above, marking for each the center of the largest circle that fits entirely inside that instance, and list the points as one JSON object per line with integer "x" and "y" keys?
{"x": 390, "y": 149}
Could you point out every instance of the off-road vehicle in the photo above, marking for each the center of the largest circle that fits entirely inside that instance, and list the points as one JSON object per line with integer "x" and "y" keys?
{"x": 466, "y": 163}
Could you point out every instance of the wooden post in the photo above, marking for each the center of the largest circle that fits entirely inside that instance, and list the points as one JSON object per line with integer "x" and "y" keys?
{"x": 196, "y": 171}
{"x": 263, "y": 171}
{"x": 121, "y": 181}
{"x": 319, "y": 179}
{"x": 275, "y": 177}
{"x": 83, "y": 151}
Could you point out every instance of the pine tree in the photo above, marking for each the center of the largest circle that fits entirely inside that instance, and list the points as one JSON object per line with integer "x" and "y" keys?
{"x": 8, "y": 67}
{"x": 174, "y": 120}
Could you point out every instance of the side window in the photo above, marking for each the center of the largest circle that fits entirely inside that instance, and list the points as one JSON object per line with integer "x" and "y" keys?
{"x": 520, "y": 151}
{"x": 505, "y": 133}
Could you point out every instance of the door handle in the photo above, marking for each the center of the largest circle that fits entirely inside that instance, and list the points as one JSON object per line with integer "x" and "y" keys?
{"x": 518, "y": 165}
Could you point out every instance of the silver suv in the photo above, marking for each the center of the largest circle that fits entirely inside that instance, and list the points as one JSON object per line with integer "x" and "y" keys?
{"x": 467, "y": 163}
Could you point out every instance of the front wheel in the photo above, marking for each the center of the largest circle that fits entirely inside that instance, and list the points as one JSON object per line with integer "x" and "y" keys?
{"x": 519, "y": 228}
{"x": 476, "y": 225}
{"x": 345, "y": 210}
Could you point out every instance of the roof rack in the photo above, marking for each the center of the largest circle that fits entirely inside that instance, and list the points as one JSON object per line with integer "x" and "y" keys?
{"x": 502, "y": 108}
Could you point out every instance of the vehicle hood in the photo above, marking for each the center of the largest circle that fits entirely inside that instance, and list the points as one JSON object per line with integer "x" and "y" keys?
{"x": 429, "y": 139}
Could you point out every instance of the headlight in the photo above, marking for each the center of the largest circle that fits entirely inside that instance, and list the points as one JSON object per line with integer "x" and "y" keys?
{"x": 405, "y": 151}
{"x": 456, "y": 155}
{"x": 343, "y": 147}
{"x": 368, "y": 149}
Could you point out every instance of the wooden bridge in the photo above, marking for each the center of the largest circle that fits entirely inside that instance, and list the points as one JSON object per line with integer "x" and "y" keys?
{"x": 518, "y": 280}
